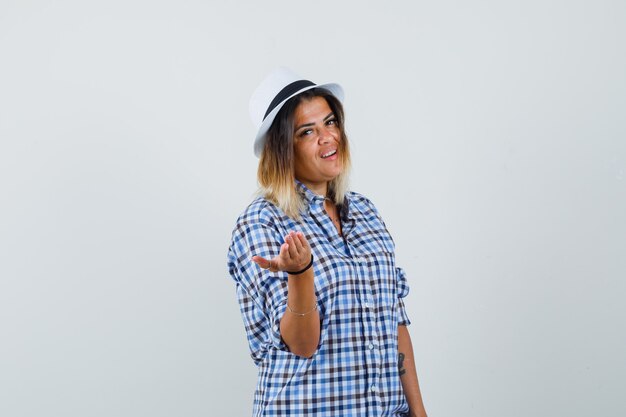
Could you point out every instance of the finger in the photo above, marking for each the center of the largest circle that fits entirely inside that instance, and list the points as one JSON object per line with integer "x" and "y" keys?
{"x": 261, "y": 262}
{"x": 293, "y": 249}
{"x": 297, "y": 240}
{"x": 304, "y": 248}
{"x": 303, "y": 240}
{"x": 272, "y": 265}
{"x": 284, "y": 253}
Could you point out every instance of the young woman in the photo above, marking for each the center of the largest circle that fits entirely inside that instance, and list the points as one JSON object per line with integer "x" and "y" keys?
{"x": 314, "y": 266}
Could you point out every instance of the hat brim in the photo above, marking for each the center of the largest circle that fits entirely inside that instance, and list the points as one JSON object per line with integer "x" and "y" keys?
{"x": 259, "y": 142}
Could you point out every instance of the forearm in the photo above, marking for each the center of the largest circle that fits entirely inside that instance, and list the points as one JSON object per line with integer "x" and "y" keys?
{"x": 408, "y": 373}
{"x": 300, "y": 325}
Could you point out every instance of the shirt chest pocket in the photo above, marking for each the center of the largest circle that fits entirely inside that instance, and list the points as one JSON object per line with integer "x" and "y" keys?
{"x": 363, "y": 269}
{"x": 375, "y": 261}
{"x": 380, "y": 276}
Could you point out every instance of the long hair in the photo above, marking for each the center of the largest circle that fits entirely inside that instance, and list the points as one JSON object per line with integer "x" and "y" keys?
{"x": 276, "y": 172}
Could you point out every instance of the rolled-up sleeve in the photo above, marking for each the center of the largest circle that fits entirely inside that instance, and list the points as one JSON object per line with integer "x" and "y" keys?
{"x": 403, "y": 291}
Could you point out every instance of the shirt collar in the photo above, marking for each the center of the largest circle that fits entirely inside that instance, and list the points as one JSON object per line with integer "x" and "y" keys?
{"x": 310, "y": 197}
{"x": 314, "y": 200}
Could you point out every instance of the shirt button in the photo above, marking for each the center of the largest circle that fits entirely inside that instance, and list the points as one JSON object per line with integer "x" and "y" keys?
{"x": 374, "y": 388}
{"x": 371, "y": 346}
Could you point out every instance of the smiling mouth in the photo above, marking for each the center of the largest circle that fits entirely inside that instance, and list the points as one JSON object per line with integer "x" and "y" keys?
{"x": 329, "y": 153}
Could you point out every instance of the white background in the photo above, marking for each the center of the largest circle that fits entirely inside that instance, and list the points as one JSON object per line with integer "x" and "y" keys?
{"x": 490, "y": 134}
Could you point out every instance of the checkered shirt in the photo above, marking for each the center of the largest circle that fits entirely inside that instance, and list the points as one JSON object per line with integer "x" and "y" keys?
{"x": 354, "y": 371}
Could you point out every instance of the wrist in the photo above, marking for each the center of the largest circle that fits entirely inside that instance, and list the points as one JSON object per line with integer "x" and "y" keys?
{"x": 303, "y": 270}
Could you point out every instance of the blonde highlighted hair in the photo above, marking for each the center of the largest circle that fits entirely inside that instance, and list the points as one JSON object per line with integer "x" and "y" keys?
{"x": 276, "y": 172}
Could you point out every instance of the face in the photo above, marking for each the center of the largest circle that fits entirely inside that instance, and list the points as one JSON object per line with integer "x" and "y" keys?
{"x": 316, "y": 144}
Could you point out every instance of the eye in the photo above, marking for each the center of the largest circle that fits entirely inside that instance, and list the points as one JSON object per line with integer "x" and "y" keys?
{"x": 305, "y": 132}
{"x": 332, "y": 122}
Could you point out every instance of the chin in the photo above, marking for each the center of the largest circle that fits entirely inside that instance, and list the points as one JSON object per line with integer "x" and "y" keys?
{"x": 333, "y": 173}
{"x": 332, "y": 177}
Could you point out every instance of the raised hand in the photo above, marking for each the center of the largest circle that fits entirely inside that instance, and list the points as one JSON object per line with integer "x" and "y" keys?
{"x": 295, "y": 254}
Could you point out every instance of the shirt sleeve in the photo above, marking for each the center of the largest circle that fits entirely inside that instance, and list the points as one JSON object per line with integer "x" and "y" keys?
{"x": 262, "y": 294}
{"x": 403, "y": 291}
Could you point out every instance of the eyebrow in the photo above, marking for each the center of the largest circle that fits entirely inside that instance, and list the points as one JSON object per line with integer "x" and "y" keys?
{"x": 328, "y": 116}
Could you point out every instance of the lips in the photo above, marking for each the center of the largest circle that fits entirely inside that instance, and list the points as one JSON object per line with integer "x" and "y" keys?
{"x": 329, "y": 153}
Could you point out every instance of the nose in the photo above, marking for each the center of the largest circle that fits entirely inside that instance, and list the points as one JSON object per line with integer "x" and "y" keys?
{"x": 325, "y": 135}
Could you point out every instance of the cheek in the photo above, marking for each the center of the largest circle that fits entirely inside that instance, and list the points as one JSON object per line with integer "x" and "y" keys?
{"x": 300, "y": 159}
{"x": 303, "y": 153}
{"x": 297, "y": 153}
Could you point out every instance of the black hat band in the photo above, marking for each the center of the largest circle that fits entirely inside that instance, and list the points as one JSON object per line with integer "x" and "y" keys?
{"x": 286, "y": 92}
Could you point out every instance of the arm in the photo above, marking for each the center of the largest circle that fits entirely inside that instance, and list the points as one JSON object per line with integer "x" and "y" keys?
{"x": 300, "y": 325}
{"x": 408, "y": 373}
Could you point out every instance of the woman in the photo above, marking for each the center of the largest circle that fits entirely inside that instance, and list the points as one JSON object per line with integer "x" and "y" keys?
{"x": 319, "y": 292}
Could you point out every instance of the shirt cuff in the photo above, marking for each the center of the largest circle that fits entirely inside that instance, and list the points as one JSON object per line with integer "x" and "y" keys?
{"x": 403, "y": 318}
{"x": 403, "y": 291}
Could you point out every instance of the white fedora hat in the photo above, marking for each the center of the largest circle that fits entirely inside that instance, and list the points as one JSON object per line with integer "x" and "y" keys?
{"x": 270, "y": 96}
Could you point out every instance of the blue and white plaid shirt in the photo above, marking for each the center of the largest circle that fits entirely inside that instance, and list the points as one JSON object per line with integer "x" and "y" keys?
{"x": 359, "y": 290}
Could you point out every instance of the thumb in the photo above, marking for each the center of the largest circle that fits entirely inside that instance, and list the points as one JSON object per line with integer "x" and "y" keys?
{"x": 260, "y": 261}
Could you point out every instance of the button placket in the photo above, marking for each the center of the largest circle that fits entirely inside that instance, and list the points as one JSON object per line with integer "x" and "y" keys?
{"x": 373, "y": 357}
{"x": 373, "y": 354}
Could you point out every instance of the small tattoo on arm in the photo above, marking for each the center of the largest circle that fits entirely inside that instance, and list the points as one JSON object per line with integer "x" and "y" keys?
{"x": 401, "y": 368}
